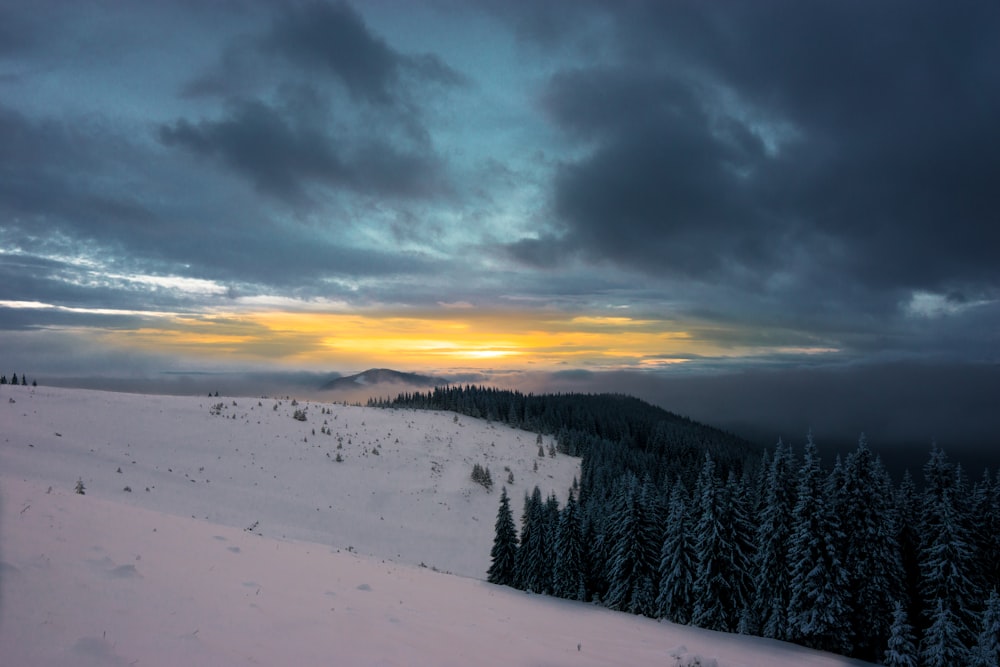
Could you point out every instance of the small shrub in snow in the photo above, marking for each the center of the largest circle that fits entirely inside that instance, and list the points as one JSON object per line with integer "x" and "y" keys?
{"x": 80, "y": 488}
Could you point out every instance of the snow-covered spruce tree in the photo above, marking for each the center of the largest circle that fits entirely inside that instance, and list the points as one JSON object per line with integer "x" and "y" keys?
{"x": 771, "y": 569}
{"x": 901, "y": 649}
{"x": 984, "y": 525}
{"x": 942, "y": 644}
{"x": 908, "y": 512}
{"x": 872, "y": 557}
{"x": 677, "y": 561}
{"x": 817, "y": 609}
{"x": 741, "y": 537}
{"x": 503, "y": 556}
{"x": 534, "y": 572}
{"x": 634, "y": 548}
{"x": 947, "y": 559}
{"x": 713, "y": 590}
{"x": 567, "y": 578}
{"x": 993, "y": 570}
{"x": 595, "y": 550}
{"x": 986, "y": 653}
{"x": 526, "y": 537}
{"x": 551, "y": 521}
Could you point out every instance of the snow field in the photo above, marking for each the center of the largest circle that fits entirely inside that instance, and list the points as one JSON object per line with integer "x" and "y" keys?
{"x": 176, "y": 575}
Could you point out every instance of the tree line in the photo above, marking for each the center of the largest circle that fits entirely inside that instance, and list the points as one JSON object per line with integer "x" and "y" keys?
{"x": 15, "y": 381}
{"x": 675, "y": 520}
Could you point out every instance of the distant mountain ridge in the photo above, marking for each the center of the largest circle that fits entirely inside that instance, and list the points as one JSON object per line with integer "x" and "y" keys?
{"x": 374, "y": 376}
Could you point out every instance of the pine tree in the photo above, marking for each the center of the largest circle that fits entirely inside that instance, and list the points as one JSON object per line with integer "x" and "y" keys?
{"x": 908, "y": 513}
{"x": 987, "y": 650}
{"x": 901, "y": 650}
{"x": 567, "y": 579}
{"x": 771, "y": 567}
{"x": 817, "y": 610}
{"x": 713, "y": 590}
{"x": 741, "y": 538}
{"x": 946, "y": 564}
{"x": 942, "y": 644}
{"x": 872, "y": 557}
{"x": 550, "y": 519}
{"x": 503, "y": 556}
{"x": 635, "y": 549}
{"x": 983, "y": 525}
{"x": 534, "y": 572}
{"x": 677, "y": 562}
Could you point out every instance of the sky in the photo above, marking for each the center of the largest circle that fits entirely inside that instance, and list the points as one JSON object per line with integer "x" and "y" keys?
{"x": 579, "y": 191}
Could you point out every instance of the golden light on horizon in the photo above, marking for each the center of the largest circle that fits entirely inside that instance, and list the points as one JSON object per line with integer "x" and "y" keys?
{"x": 432, "y": 340}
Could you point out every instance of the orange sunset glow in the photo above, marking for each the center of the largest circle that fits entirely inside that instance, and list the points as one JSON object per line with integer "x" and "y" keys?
{"x": 424, "y": 341}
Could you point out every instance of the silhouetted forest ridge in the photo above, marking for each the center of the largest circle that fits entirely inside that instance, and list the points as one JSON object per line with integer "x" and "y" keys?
{"x": 614, "y": 433}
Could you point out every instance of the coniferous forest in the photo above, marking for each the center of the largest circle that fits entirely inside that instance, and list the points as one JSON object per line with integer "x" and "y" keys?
{"x": 676, "y": 520}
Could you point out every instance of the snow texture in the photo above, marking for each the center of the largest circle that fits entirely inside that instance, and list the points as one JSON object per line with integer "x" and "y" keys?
{"x": 252, "y": 546}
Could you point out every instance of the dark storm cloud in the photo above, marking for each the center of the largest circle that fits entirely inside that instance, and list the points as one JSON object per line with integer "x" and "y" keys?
{"x": 881, "y": 123}
{"x": 45, "y": 167}
{"x": 372, "y": 142}
{"x": 56, "y": 200}
{"x": 281, "y": 155}
{"x": 16, "y": 31}
{"x": 333, "y": 36}
{"x": 666, "y": 188}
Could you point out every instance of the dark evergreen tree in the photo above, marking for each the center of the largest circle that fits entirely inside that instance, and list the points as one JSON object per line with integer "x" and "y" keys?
{"x": 534, "y": 571}
{"x": 527, "y": 527}
{"x": 942, "y": 644}
{"x": 503, "y": 556}
{"x": 901, "y": 649}
{"x": 983, "y": 523}
{"x": 947, "y": 561}
{"x": 14, "y": 379}
{"x": 986, "y": 652}
{"x": 567, "y": 580}
{"x": 817, "y": 610}
{"x": 774, "y": 530}
{"x": 939, "y": 475}
{"x": 872, "y": 557}
{"x": 713, "y": 591}
{"x": 677, "y": 561}
{"x": 635, "y": 549}
{"x": 908, "y": 514}
{"x": 595, "y": 555}
{"x": 741, "y": 537}
{"x": 551, "y": 521}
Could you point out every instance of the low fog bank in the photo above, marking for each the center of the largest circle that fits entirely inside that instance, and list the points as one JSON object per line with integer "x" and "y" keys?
{"x": 194, "y": 383}
{"x": 902, "y": 408}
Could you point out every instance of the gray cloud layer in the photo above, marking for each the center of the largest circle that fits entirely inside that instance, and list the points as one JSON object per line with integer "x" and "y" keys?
{"x": 775, "y": 173}
{"x": 882, "y": 152}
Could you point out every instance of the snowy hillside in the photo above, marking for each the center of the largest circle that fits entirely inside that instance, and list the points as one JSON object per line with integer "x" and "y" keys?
{"x": 240, "y": 551}
{"x": 402, "y": 491}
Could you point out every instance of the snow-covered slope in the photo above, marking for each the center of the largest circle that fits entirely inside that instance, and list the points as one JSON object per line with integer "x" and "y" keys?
{"x": 413, "y": 501}
{"x": 172, "y": 576}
